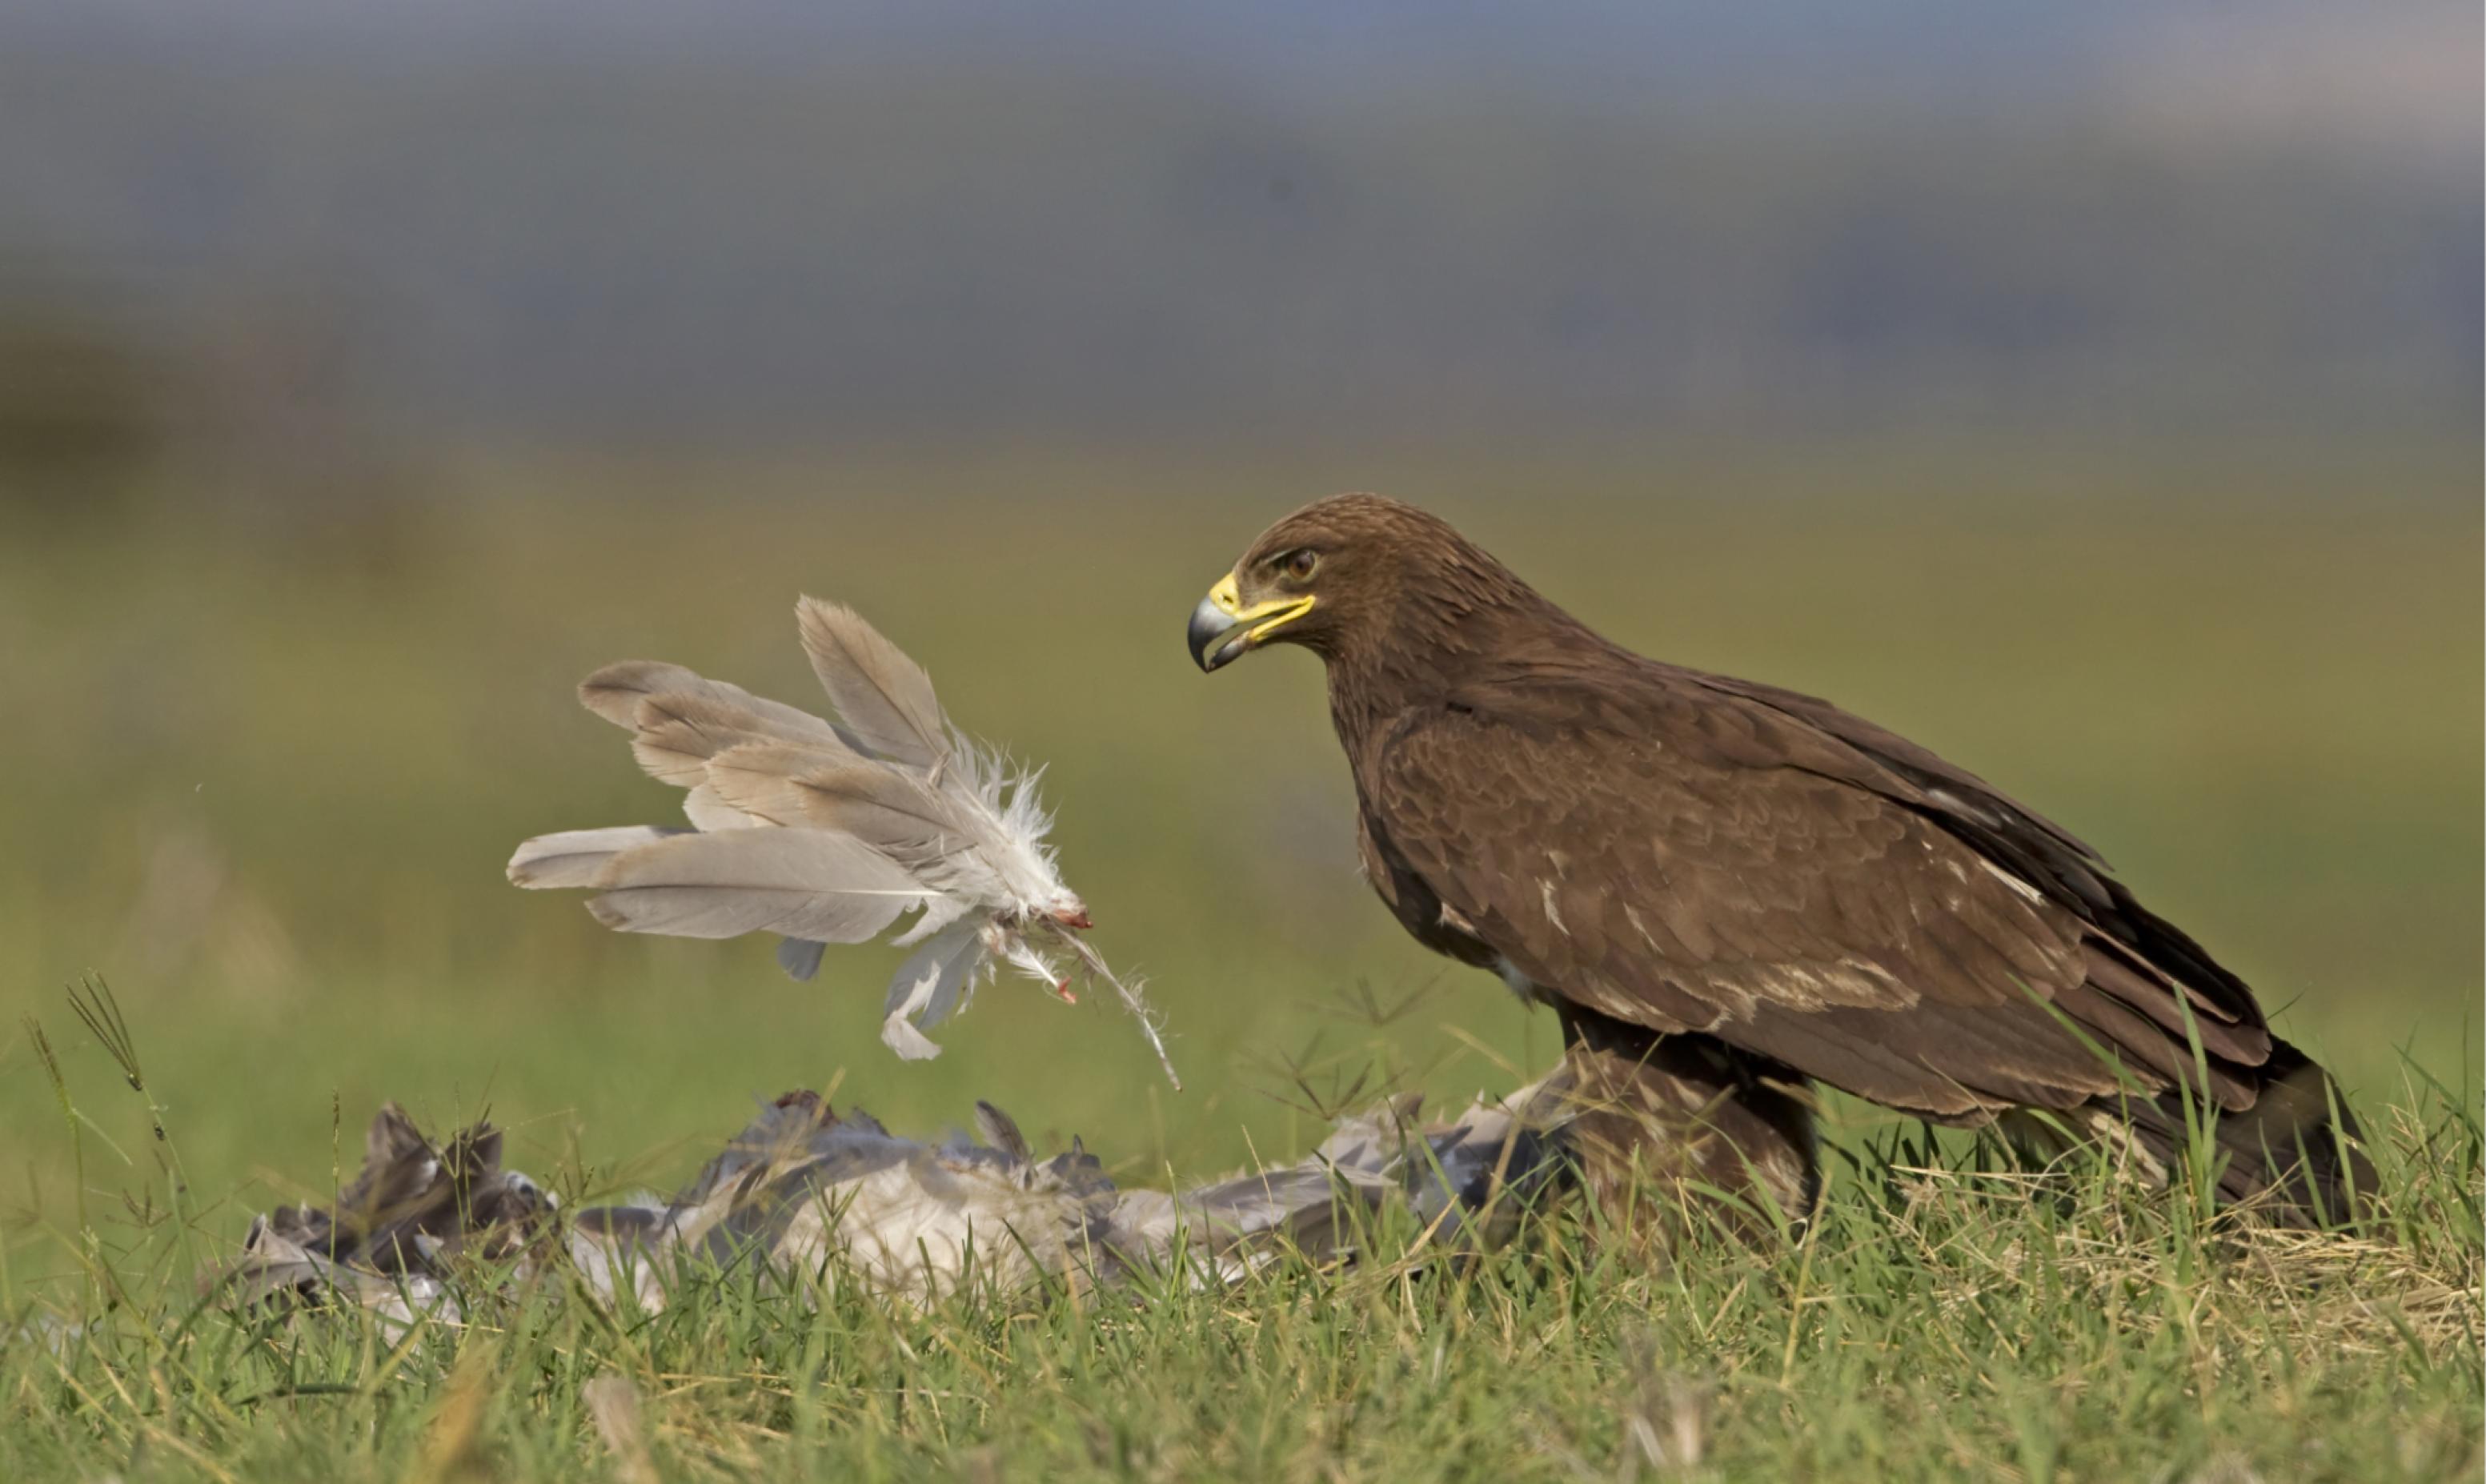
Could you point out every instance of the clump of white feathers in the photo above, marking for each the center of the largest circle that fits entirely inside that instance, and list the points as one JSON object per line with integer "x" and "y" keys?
{"x": 829, "y": 832}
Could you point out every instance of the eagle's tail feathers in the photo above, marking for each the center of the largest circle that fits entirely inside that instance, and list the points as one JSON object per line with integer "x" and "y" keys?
{"x": 2296, "y": 1154}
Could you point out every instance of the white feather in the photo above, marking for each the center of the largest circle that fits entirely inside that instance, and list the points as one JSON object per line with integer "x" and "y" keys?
{"x": 935, "y": 980}
{"x": 702, "y": 807}
{"x": 888, "y": 809}
{"x": 801, "y": 883}
{"x": 940, "y": 910}
{"x": 575, "y": 858}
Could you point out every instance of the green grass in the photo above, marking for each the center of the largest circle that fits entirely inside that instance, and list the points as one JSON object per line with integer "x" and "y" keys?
{"x": 263, "y": 771}
{"x": 1943, "y": 1318}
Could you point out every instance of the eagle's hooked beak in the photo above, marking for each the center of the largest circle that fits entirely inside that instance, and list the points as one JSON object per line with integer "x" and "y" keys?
{"x": 1221, "y": 629}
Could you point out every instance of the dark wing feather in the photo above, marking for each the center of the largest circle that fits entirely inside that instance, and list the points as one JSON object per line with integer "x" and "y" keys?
{"x": 2007, "y": 831}
{"x": 1692, "y": 860}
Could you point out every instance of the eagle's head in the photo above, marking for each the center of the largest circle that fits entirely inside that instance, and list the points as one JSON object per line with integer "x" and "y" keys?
{"x": 1338, "y": 572}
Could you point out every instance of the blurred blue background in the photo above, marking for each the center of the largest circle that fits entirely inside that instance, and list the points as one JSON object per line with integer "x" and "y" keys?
{"x": 520, "y": 221}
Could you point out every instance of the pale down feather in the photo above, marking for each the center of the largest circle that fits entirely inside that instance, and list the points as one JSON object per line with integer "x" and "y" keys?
{"x": 830, "y": 832}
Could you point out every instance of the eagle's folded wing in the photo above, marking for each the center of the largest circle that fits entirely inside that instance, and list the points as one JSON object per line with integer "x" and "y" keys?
{"x": 1678, "y": 864}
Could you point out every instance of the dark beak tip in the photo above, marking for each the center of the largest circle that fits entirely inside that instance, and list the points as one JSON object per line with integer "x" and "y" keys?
{"x": 1206, "y": 638}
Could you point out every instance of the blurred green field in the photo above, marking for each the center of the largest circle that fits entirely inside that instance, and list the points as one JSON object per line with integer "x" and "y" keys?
{"x": 265, "y": 764}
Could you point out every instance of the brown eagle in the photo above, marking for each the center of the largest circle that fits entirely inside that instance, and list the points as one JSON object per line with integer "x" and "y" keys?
{"x": 1726, "y": 890}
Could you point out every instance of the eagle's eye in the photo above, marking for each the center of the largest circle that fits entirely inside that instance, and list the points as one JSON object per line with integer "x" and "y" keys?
{"x": 1300, "y": 562}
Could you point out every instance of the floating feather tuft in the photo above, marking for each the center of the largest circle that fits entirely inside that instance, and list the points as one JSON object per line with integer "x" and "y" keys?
{"x": 831, "y": 831}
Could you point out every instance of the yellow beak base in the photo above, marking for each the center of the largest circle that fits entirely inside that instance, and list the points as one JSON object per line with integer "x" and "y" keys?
{"x": 1223, "y": 630}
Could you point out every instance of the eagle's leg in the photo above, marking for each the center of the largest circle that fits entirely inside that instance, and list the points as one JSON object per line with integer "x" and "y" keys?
{"x": 1662, "y": 1122}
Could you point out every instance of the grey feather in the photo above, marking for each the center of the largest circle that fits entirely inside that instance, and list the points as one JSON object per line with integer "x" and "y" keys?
{"x": 895, "y": 812}
{"x": 677, "y": 732}
{"x": 614, "y": 693}
{"x": 928, "y": 986}
{"x": 761, "y": 778}
{"x": 577, "y": 858}
{"x": 885, "y": 811}
{"x": 946, "y": 842}
{"x": 884, "y": 698}
{"x": 800, "y": 958}
{"x": 802, "y": 883}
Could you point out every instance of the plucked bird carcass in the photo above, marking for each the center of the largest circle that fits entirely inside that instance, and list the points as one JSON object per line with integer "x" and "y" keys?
{"x": 819, "y": 1199}
{"x": 831, "y": 831}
